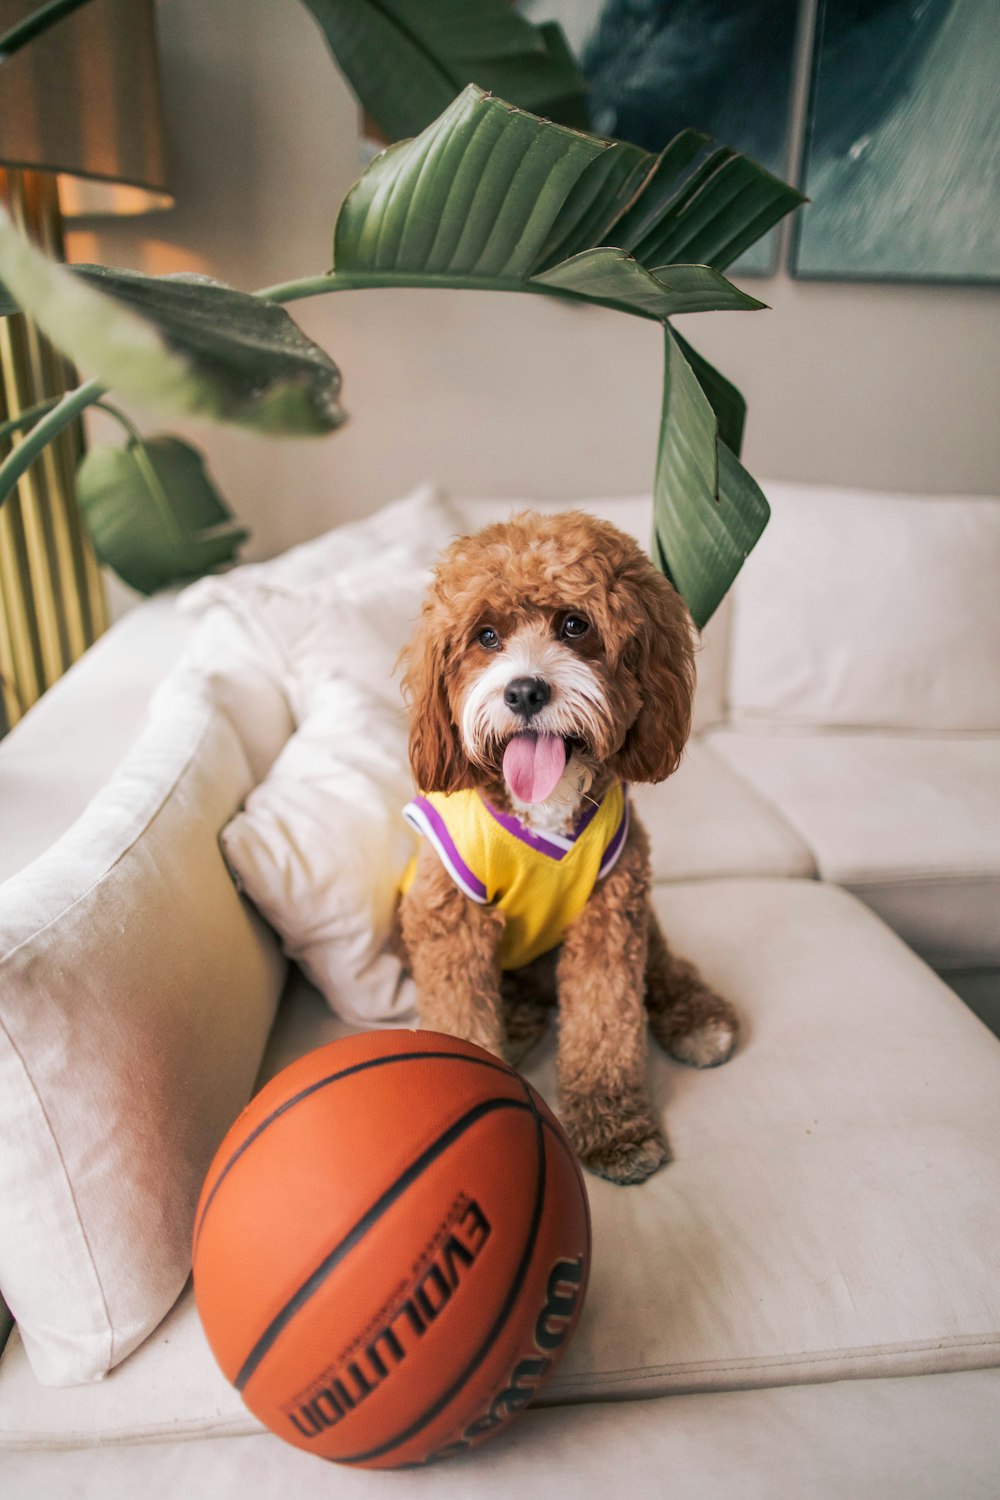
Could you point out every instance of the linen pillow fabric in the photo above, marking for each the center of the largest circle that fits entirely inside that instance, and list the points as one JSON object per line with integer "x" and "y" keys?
{"x": 866, "y": 610}
{"x": 321, "y": 844}
{"x": 136, "y": 996}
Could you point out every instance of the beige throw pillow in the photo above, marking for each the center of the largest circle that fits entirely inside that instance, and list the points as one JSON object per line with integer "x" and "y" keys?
{"x": 137, "y": 991}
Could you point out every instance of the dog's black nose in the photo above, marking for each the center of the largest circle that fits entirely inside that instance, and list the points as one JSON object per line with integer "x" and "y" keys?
{"x": 526, "y": 695}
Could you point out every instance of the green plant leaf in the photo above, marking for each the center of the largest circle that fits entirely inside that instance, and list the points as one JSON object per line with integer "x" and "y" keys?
{"x": 702, "y": 203}
{"x": 490, "y": 193}
{"x": 154, "y": 514}
{"x": 707, "y": 511}
{"x": 183, "y": 345}
{"x": 477, "y": 194}
{"x": 613, "y": 278}
{"x": 407, "y": 59}
{"x": 726, "y": 401}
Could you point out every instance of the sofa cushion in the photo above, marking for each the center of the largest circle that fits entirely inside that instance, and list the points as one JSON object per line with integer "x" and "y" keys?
{"x": 910, "y": 823}
{"x": 136, "y": 996}
{"x": 98, "y": 708}
{"x": 872, "y": 610}
{"x": 705, "y": 821}
{"x": 924, "y": 1438}
{"x": 833, "y": 1209}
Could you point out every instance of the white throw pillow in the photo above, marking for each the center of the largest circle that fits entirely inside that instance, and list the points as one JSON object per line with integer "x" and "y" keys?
{"x": 870, "y": 610}
{"x": 321, "y": 843}
{"x": 321, "y": 846}
{"x": 136, "y": 996}
{"x": 421, "y": 523}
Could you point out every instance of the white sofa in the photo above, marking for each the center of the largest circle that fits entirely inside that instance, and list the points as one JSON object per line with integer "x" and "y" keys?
{"x": 806, "y": 1302}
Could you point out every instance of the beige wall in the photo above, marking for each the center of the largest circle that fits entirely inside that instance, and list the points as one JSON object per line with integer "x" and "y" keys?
{"x": 888, "y": 386}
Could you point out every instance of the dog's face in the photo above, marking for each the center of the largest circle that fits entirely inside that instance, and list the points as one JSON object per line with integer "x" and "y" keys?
{"x": 549, "y": 649}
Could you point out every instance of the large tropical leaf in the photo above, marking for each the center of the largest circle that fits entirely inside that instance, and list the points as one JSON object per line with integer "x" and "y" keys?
{"x": 184, "y": 345}
{"x": 726, "y": 401}
{"x": 613, "y": 278}
{"x": 407, "y": 59}
{"x": 153, "y": 513}
{"x": 707, "y": 511}
{"x": 490, "y": 194}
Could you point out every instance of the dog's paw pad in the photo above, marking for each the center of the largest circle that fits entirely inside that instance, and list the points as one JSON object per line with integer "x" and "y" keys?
{"x": 628, "y": 1162}
{"x": 705, "y": 1046}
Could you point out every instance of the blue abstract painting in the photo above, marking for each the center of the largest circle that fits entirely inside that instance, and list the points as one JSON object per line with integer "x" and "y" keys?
{"x": 655, "y": 67}
{"x": 903, "y": 146}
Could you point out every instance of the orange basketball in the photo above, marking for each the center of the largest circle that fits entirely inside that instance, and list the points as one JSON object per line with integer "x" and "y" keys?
{"x": 391, "y": 1248}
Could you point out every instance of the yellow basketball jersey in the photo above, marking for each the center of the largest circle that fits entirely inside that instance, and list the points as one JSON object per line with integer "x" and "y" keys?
{"x": 541, "y": 882}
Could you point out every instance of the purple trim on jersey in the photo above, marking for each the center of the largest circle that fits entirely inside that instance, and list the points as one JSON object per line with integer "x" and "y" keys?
{"x": 426, "y": 819}
{"x": 617, "y": 844}
{"x": 538, "y": 841}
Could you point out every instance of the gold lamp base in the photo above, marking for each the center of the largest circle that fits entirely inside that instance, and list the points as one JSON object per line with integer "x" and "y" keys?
{"x": 52, "y": 601}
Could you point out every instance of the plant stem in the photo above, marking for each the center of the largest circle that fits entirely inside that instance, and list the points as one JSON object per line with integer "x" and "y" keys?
{"x": 40, "y": 20}
{"x": 360, "y": 281}
{"x": 120, "y": 417}
{"x": 28, "y": 417}
{"x": 61, "y": 415}
{"x": 366, "y": 281}
{"x": 150, "y": 478}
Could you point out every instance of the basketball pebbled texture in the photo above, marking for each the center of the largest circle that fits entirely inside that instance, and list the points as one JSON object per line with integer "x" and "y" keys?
{"x": 391, "y": 1248}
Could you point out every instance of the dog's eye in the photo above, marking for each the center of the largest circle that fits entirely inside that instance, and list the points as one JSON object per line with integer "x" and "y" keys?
{"x": 574, "y": 626}
{"x": 488, "y": 638}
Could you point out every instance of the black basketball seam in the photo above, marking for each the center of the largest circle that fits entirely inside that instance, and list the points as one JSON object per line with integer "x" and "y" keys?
{"x": 373, "y": 1062}
{"x": 499, "y": 1322}
{"x": 371, "y": 1216}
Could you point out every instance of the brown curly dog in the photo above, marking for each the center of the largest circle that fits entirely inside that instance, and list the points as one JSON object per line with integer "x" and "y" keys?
{"x": 551, "y": 666}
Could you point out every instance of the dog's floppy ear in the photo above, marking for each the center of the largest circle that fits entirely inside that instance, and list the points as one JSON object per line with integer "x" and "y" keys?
{"x": 660, "y": 655}
{"x": 436, "y": 757}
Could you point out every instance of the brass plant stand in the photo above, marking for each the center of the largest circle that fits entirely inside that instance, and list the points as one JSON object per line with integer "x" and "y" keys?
{"x": 52, "y": 601}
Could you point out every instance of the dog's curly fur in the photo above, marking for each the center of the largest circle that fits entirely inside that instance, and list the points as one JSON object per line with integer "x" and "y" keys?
{"x": 621, "y": 697}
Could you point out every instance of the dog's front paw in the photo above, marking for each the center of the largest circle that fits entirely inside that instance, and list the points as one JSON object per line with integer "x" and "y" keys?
{"x": 616, "y": 1138}
{"x": 702, "y": 1033}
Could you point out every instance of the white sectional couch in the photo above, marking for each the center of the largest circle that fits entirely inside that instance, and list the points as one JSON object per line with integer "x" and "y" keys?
{"x": 807, "y": 1301}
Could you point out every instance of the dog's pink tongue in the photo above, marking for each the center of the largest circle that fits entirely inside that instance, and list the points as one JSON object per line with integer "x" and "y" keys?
{"x": 533, "y": 764}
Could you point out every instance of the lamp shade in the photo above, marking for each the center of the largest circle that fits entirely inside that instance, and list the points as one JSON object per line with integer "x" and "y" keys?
{"x": 82, "y": 100}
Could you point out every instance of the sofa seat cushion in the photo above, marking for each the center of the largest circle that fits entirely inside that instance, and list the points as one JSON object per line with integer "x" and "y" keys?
{"x": 833, "y": 1209}
{"x": 705, "y": 821}
{"x": 918, "y": 1439}
{"x": 910, "y": 823}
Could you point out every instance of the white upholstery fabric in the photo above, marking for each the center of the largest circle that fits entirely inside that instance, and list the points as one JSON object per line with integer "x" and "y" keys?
{"x": 870, "y": 609}
{"x": 321, "y": 845}
{"x": 828, "y": 1214}
{"x": 632, "y": 514}
{"x": 65, "y": 748}
{"x": 705, "y": 821}
{"x": 420, "y": 521}
{"x": 910, "y": 823}
{"x": 136, "y": 995}
{"x": 929, "y": 1438}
